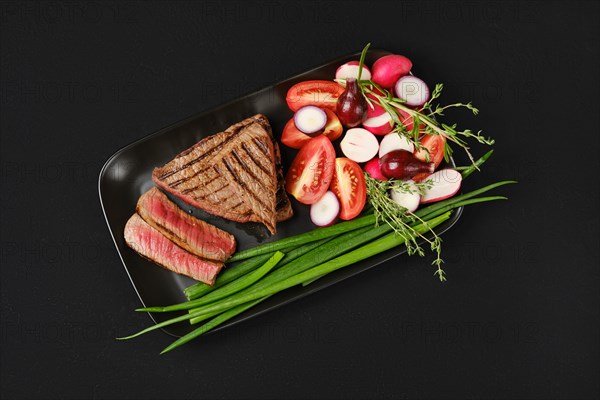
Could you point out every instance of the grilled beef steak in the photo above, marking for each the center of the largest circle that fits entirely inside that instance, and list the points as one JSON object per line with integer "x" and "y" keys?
{"x": 153, "y": 245}
{"x": 190, "y": 233}
{"x": 232, "y": 174}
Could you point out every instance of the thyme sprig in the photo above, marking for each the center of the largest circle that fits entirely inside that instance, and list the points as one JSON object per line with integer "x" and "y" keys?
{"x": 424, "y": 118}
{"x": 401, "y": 220}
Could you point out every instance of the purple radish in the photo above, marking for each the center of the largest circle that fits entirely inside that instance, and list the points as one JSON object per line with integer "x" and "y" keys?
{"x": 325, "y": 211}
{"x": 446, "y": 182}
{"x": 310, "y": 120}
{"x": 413, "y": 90}
{"x": 410, "y": 201}
{"x": 359, "y": 145}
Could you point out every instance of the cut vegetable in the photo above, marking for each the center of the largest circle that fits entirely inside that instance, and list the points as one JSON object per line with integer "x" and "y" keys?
{"x": 432, "y": 149}
{"x": 379, "y": 125}
{"x": 294, "y": 138}
{"x": 318, "y": 93}
{"x": 388, "y": 69}
{"x": 349, "y": 186}
{"x": 350, "y": 70}
{"x": 325, "y": 211}
{"x": 394, "y": 141}
{"x": 407, "y": 199}
{"x": 310, "y": 120}
{"x": 311, "y": 171}
{"x": 413, "y": 90}
{"x": 359, "y": 145}
{"x": 446, "y": 183}
{"x": 374, "y": 169}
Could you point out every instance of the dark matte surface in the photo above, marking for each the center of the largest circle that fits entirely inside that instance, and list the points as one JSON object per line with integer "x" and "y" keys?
{"x": 518, "y": 317}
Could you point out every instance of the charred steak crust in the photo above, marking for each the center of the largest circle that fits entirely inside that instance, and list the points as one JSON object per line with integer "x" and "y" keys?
{"x": 190, "y": 233}
{"x": 232, "y": 174}
{"x": 153, "y": 245}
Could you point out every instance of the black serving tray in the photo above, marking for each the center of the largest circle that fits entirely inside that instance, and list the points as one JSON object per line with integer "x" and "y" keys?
{"x": 127, "y": 174}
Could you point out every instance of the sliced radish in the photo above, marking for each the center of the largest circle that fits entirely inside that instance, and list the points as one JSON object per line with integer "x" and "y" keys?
{"x": 413, "y": 90}
{"x": 359, "y": 145}
{"x": 325, "y": 211}
{"x": 350, "y": 70}
{"x": 410, "y": 201}
{"x": 374, "y": 169}
{"x": 310, "y": 120}
{"x": 393, "y": 141}
{"x": 446, "y": 183}
{"x": 379, "y": 125}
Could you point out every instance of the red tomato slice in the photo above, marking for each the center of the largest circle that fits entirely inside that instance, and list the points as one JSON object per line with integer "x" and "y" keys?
{"x": 311, "y": 171}
{"x": 435, "y": 144}
{"x": 349, "y": 186}
{"x": 294, "y": 138}
{"x": 322, "y": 94}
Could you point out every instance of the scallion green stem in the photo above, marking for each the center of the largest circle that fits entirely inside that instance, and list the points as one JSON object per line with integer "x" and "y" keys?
{"x": 307, "y": 237}
{"x": 227, "y": 290}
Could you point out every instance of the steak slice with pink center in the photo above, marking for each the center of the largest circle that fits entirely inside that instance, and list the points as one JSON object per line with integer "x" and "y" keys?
{"x": 153, "y": 245}
{"x": 190, "y": 233}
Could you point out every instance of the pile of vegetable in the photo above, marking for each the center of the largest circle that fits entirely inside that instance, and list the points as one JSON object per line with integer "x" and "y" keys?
{"x": 388, "y": 190}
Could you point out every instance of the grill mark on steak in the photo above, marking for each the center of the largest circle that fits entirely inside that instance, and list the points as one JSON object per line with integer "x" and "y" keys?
{"x": 189, "y": 190}
{"x": 242, "y": 183}
{"x": 262, "y": 146}
{"x": 245, "y": 166}
{"x": 259, "y": 165}
{"x": 206, "y": 153}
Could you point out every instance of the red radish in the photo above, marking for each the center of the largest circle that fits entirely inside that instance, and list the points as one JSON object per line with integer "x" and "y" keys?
{"x": 388, "y": 69}
{"x": 394, "y": 141}
{"x": 350, "y": 70}
{"x": 359, "y": 145}
{"x": 446, "y": 183}
{"x": 310, "y": 120}
{"x": 402, "y": 164}
{"x": 351, "y": 106}
{"x": 410, "y": 201}
{"x": 374, "y": 169}
{"x": 325, "y": 211}
{"x": 413, "y": 90}
{"x": 379, "y": 125}
{"x": 407, "y": 120}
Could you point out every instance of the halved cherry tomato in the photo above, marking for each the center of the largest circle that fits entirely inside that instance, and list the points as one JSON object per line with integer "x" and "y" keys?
{"x": 349, "y": 186}
{"x": 322, "y": 94}
{"x": 294, "y": 138}
{"x": 311, "y": 171}
{"x": 435, "y": 144}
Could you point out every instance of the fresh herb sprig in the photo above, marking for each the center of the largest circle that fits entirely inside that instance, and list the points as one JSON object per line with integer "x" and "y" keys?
{"x": 424, "y": 118}
{"x": 401, "y": 220}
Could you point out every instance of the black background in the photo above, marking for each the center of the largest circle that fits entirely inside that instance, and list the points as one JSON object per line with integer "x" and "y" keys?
{"x": 518, "y": 317}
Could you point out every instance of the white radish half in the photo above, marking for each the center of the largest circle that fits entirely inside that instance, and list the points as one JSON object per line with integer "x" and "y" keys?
{"x": 393, "y": 141}
{"x": 359, "y": 145}
{"x": 413, "y": 90}
{"x": 446, "y": 182}
{"x": 350, "y": 70}
{"x": 325, "y": 211}
{"x": 379, "y": 125}
{"x": 310, "y": 119}
{"x": 410, "y": 201}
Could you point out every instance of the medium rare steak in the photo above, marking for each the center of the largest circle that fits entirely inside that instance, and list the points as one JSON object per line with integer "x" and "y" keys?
{"x": 153, "y": 245}
{"x": 190, "y": 233}
{"x": 232, "y": 174}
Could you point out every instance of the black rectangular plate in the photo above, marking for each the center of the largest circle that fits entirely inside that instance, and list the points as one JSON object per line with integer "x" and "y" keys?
{"x": 127, "y": 174}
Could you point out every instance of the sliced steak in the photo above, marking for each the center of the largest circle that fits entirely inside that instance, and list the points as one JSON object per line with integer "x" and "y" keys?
{"x": 190, "y": 233}
{"x": 153, "y": 245}
{"x": 231, "y": 174}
